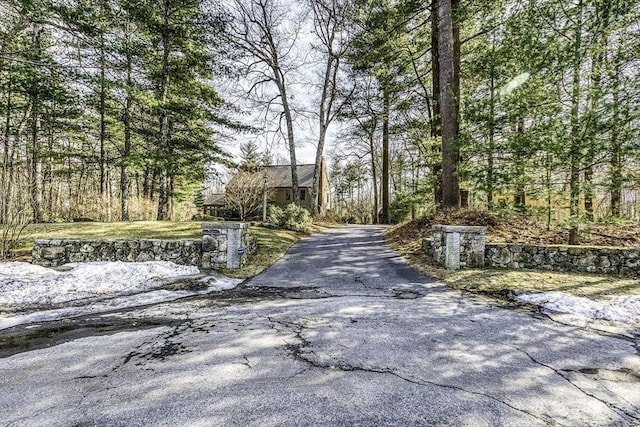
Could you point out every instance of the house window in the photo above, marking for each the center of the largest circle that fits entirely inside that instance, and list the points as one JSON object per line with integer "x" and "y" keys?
{"x": 303, "y": 194}
{"x": 287, "y": 194}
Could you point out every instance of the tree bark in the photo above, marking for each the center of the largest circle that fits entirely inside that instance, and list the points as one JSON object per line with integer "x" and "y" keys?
{"x": 126, "y": 152}
{"x": 292, "y": 146}
{"x": 615, "y": 160}
{"x": 163, "y": 188}
{"x": 34, "y": 155}
{"x": 328, "y": 18}
{"x": 576, "y": 146}
{"x": 102, "y": 107}
{"x": 7, "y": 167}
{"x": 492, "y": 127}
{"x": 374, "y": 174}
{"x": 449, "y": 87}
{"x": 385, "y": 156}
{"x": 436, "y": 122}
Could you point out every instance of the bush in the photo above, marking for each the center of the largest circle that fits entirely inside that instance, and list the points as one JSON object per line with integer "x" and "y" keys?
{"x": 275, "y": 215}
{"x": 404, "y": 203}
{"x": 292, "y": 218}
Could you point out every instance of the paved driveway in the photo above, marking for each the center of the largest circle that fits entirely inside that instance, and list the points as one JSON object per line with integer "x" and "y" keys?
{"x": 338, "y": 332}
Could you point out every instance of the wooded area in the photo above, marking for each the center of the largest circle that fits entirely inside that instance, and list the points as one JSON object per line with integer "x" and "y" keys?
{"x": 112, "y": 109}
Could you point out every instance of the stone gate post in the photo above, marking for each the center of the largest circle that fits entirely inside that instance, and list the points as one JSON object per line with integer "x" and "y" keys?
{"x": 456, "y": 247}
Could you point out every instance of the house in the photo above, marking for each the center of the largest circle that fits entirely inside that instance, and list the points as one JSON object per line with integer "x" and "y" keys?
{"x": 243, "y": 194}
{"x": 280, "y": 182}
{"x": 215, "y": 204}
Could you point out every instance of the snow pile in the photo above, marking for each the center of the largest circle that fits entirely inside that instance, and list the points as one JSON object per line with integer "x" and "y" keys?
{"x": 622, "y": 309}
{"x": 30, "y": 293}
{"x": 24, "y": 285}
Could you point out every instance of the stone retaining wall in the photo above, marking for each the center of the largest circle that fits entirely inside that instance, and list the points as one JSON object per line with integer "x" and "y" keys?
{"x": 467, "y": 244}
{"x": 585, "y": 259}
{"x": 227, "y": 245}
{"x": 55, "y": 252}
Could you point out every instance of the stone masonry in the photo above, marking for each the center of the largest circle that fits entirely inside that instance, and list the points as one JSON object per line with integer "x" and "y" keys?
{"x": 55, "y": 252}
{"x": 223, "y": 242}
{"x": 457, "y": 247}
{"x": 585, "y": 259}
{"x": 218, "y": 249}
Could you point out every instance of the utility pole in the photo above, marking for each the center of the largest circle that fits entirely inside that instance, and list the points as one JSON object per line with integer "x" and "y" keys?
{"x": 264, "y": 197}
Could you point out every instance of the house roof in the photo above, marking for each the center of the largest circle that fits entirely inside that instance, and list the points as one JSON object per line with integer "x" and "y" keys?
{"x": 215, "y": 199}
{"x": 281, "y": 175}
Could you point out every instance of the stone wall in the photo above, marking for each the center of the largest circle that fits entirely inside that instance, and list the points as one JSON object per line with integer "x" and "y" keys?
{"x": 468, "y": 244}
{"x": 585, "y": 259}
{"x": 218, "y": 249}
{"x": 55, "y": 252}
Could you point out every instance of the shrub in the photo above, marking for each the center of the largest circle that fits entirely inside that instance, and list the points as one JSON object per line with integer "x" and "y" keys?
{"x": 292, "y": 218}
{"x": 275, "y": 215}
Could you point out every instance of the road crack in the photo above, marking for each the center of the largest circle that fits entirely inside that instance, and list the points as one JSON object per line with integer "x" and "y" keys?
{"x": 628, "y": 416}
{"x": 162, "y": 347}
{"x": 301, "y": 352}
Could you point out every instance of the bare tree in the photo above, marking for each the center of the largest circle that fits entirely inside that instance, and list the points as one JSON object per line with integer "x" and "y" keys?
{"x": 330, "y": 18}
{"x": 16, "y": 215}
{"x": 261, "y": 31}
{"x": 245, "y": 191}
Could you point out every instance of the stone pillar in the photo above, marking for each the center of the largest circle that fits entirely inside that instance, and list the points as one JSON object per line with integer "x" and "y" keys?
{"x": 220, "y": 244}
{"x": 456, "y": 247}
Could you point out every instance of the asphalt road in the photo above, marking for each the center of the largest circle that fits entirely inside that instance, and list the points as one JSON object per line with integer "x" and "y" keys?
{"x": 339, "y": 332}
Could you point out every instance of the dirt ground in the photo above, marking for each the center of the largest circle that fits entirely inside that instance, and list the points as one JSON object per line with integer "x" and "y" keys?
{"x": 520, "y": 229}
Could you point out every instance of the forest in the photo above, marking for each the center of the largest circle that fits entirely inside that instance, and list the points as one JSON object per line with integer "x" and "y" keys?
{"x": 118, "y": 110}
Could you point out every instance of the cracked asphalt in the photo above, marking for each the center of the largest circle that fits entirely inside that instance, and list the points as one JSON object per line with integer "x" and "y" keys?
{"x": 338, "y": 332}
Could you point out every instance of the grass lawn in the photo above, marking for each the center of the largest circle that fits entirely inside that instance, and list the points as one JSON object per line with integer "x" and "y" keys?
{"x": 116, "y": 230}
{"x": 496, "y": 281}
{"x": 272, "y": 243}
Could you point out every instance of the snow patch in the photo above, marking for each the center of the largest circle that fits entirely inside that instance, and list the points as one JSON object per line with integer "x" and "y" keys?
{"x": 622, "y": 309}
{"x": 30, "y": 293}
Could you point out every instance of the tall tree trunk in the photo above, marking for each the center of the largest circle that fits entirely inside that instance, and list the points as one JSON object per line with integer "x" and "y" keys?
{"x": 102, "y": 107}
{"x": 436, "y": 122}
{"x": 616, "y": 156}
{"x": 317, "y": 171}
{"x": 492, "y": 127}
{"x": 290, "y": 136}
{"x": 126, "y": 152}
{"x": 7, "y": 167}
{"x": 163, "y": 188}
{"x": 576, "y": 146}
{"x": 47, "y": 173}
{"x": 374, "y": 174}
{"x": 448, "y": 105}
{"x": 328, "y": 95}
{"x": 595, "y": 95}
{"x": 520, "y": 198}
{"x": 147, "y": 183}
{"x": 385, "y": 155}
{"x": 34, "y": 154}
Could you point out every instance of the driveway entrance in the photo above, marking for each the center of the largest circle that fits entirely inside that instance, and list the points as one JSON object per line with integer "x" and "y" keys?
{"x": 338, "y": 332}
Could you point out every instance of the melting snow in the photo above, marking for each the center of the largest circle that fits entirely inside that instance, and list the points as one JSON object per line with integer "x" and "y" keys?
{"x": 622, "y": 309}
{"x": 30, "y": 293}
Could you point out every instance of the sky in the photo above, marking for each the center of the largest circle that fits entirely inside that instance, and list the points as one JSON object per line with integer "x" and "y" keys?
{"x": 302, "y": 86}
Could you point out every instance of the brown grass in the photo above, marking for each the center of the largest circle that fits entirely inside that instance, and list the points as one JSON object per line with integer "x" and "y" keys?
{"x": 526, "y": 229}
{"x": 407, "y": 239}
